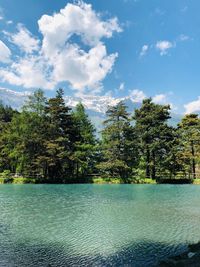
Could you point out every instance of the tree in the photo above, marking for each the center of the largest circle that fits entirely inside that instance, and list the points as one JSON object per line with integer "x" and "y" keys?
{"x": 119, "y": 143}
{"x": 23, "y": 140}
{"x": 189, "y": 129}
{"x": 153, "y": 133}
{"x": 6, "y": 115}
{"x": 85, "y": 151}
{"x": 36, "y": 103}
{"x": 60, "y": 144}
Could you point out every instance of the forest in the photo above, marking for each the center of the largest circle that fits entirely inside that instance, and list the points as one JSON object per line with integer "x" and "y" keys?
{"x": 52, "y": 143}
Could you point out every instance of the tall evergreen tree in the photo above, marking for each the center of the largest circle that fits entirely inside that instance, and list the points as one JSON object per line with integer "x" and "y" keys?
{"x": 24, "y": 138}
{"x": 189, "y": 129}
{"x": 153, "y": 132}
{"x": 60, "y": 145}
{"x": 119, "y": 143}
{"x": 6, "y": 116}
{"x": 86, "y": 145}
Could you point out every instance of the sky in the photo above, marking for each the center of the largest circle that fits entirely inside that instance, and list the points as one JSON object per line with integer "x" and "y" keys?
{"x": 114, "y": 49}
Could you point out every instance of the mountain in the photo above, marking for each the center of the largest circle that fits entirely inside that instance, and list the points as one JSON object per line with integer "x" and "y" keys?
{"x": 95, "y": 106}
{"x": 13, "y": 98}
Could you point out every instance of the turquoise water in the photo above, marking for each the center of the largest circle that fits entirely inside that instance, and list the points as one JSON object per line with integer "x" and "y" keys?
{"x": 96, "y": 225}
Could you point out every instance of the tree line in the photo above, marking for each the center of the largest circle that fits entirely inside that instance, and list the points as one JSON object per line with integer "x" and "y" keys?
{"x": 56, "y": 144}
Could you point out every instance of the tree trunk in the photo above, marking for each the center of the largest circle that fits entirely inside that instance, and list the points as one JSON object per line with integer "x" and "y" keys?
{"x": 153, "y": 174}
{"x": 193, "y": 161}
{"x": 148, "y": 164}
{"x": 77, "y": 168}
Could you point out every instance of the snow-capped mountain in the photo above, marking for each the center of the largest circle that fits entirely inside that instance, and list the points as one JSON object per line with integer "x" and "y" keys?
{"x": 91, "y": 102}
{"x": 95, "y": 106}
{"x": 94, "y": 103}
{"x": 13, "y": 98}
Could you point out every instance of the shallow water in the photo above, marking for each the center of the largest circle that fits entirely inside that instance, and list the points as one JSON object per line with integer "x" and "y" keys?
{"x": 96, "y": 225}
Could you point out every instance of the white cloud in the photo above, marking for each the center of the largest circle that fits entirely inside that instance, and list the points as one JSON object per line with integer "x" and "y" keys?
{"x": 60, "y": 57}
{"x": 163, "y": 47}
{"x": 83, "y": 69}
{"x": 9, "y": 22}
{"x": 137, "y": 95}
{"x": 183, "y": 37}
{"x": 144, "y": 50}
{"x": 160, "y": 99}
{"x": 24, "y": 40}
{"x": 5, "y": 53}
{"x": 121, "y": 86}
{"x": 29, "y": 72}
{"x": 193, "y": 106}
{"x": 77, "y": 19}
{"x": 163, "y": 99}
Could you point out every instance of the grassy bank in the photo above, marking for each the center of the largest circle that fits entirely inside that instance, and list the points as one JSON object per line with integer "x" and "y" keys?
{"x": 196, "y": 181}
{"x": 101, "y": 180}
{"x": 95, "y": 180}
{"x": 20, "y": 180}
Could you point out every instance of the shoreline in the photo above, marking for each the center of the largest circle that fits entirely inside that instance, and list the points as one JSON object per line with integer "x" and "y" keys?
{"x": 100, "y": 181}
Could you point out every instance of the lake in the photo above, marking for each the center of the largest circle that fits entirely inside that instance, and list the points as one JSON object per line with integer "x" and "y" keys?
{"x": 96, "y": 225}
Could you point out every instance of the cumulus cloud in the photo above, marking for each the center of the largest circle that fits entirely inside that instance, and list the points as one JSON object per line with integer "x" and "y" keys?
{"x": 164, "y": 99}
{"x": 29, "y": 72}
{"x": 137, "y": 95}
{"x": 83, "y": 69}
{"x": 144, "y": 50}
{"x": 75, "y": 19}
{"x": 62, "y": 57}
{"x": 163, "y": 47}
{"x": 24, "y": 40}
{"x": 193, "y": 106}
{"x": 160, "y": 99}
{"x": 5, "y": 53}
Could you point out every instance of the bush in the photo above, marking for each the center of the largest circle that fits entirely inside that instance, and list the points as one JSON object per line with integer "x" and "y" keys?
{"x": 6, "y": 174}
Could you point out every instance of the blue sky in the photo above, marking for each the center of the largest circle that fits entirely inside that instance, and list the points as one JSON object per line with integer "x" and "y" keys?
{"x": 135, "y": 48}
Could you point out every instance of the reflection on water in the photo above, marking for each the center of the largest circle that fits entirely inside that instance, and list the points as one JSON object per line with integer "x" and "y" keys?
{"x": 96, "y": 225}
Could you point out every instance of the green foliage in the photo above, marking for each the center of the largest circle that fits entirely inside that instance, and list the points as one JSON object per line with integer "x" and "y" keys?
{"x": 109, "y": 180}
{"x": 6, "y": 174}
{"x": 119, "y": 148}
{"x": 154, "y": 136}
{"x": 49, "y": 143}
{"x": 189, "y": 131}
{"x": 6, "y": 177}
{"x": 85, "y": 146}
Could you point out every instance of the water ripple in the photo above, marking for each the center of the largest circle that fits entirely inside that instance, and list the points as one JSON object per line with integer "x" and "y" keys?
{"x": 91, "y": 225}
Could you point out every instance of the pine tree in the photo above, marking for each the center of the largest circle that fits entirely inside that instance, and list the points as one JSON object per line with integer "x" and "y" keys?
{"x": 189, "y": 130}
{"x": 86, "y": 145}
{"x": 119, "y": 144}
{"x": 24, "y": 138}
{"x": 60, "y": 144}
{"x": 152, "y": 130}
